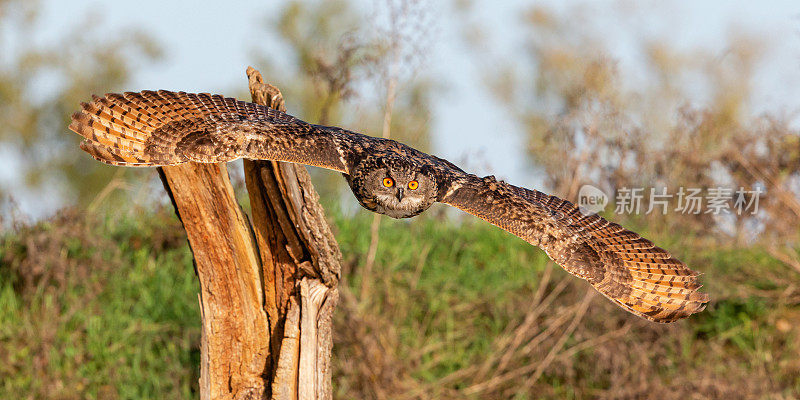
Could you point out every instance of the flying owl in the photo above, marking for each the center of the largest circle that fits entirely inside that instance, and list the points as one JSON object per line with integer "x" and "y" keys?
{"x": 157, "y": 128}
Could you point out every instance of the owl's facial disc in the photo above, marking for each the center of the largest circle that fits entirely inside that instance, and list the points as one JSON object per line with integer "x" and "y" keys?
{"x": 395, "y": 188}
{"x": 396, "y": 194}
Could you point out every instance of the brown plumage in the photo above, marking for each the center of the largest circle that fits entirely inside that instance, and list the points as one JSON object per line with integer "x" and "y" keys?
{"x": 167, "y": 128}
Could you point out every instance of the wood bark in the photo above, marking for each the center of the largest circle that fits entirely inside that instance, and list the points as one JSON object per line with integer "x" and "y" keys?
{"x": 267, "y": 289}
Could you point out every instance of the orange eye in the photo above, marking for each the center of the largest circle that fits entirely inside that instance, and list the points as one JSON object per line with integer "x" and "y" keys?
{"x": 388, "y": 182}
{"x": 413, "y": 185}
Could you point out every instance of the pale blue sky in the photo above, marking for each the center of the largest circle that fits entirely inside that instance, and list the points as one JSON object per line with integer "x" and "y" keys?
{"x": 208, "y": 44}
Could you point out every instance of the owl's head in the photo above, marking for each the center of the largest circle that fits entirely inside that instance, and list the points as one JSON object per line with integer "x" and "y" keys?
{"x": 393, "y": 186}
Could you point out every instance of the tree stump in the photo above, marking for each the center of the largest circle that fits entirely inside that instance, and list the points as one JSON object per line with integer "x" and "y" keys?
{"x": 267, "y": 288}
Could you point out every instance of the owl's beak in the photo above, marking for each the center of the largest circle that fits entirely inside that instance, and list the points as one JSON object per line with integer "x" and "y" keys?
{"x": 399, "y": 194}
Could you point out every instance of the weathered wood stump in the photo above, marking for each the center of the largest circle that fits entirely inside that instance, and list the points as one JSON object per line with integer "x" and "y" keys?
{"x": 268, "y": 286}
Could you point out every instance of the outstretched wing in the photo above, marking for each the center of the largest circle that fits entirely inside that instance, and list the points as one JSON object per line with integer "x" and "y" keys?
{"x": 166, "y": 128}
{"x": 625, "y": 267}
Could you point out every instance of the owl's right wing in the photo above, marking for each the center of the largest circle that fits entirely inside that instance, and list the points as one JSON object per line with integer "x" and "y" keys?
{"x": 625, "y": 267}
{"x": 155, "y": 128}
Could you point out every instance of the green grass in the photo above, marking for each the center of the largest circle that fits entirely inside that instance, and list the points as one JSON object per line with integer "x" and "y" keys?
{"x": 107, "y": 308}
{"x": 113, "y": 316}
{"x": 432, "y": 277}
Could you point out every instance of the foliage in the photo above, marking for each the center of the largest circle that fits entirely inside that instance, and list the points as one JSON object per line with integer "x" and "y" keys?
{"x": 98, "y": 308}
{"x": 688, "y": 123}
{"x": 43, "y": 79}
{"x": 337, "y": 60}
{"x": 107, "y": 308}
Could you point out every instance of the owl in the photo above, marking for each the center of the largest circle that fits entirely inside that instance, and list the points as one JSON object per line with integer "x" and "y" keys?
{"x": 158, "y": 128}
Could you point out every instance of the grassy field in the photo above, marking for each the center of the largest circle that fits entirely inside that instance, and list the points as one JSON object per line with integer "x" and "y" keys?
{"x": 106, "y": 307}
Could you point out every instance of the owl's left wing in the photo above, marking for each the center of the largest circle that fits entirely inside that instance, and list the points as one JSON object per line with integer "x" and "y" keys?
{"x": 625, "y": 267}
{"x": 154, "y": 128}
